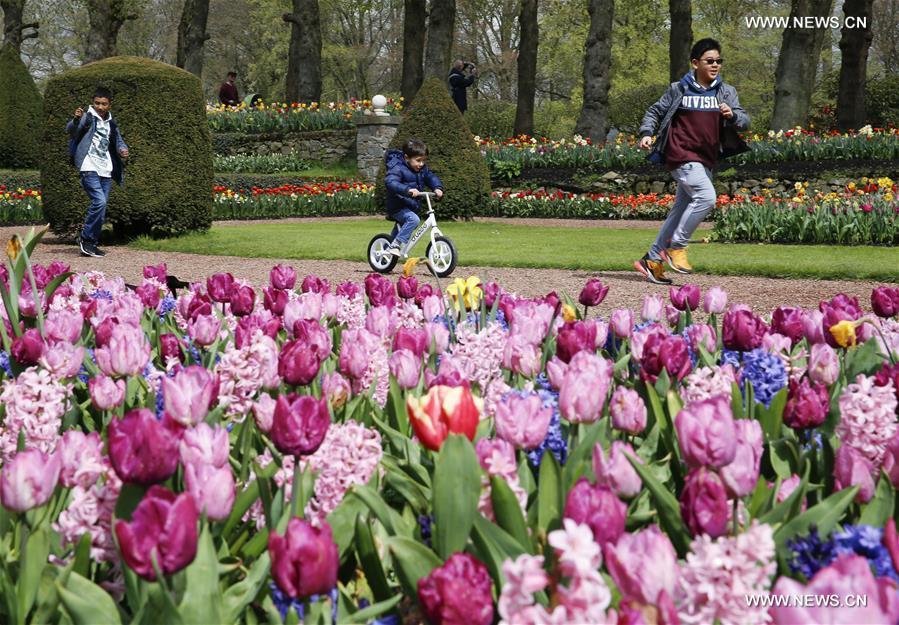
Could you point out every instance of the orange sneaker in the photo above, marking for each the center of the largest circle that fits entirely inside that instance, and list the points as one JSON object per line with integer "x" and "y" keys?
{"x": 677, "y": 260}
{"x": 652, "y": 270}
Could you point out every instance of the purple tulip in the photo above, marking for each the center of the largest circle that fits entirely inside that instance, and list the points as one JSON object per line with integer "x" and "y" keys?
{"x": 348, "y": 289}
{"x": 627, "y": 562}
{"x": 105, "y": 392}
{"x": 413, "y": 339}
{"x": 615, "y": 471}
{"x": 380, "y": 290}
{"x": 407, "y": 286}
{"x": 667, "y": 353}
{"x": 103, "y": 331}
{"x": 262, "y": 320}
{"x": 142, "y": 449}
{"x": 27, "y": 349}
{"x": 298, "y": 365}
{"x": 126, "y": 353}
{"x": 314, "y": 284}
{"x": 275, "y": 300}
{"x": 63, "y": 325}
{"x": 628, "y": 411}
{"x": 703, "y": 503}
{"x": 459, "y": 591}
{"x": 593, "y": 293}
{"x": 885, "y": 301}
{"x": 823, "y": 364}
{"x": 242, "y": 300}
{"x": 159, "y": 272}
{"x": 405, "y": 366}
{"x": 522, "y": 420}
{"x": 204, "y": 329}
{"x": 891, "y": 461}
{"x": 584, "y": 389}
{"x": 491, "y": 292}
{"x": 282, "y": 277}
{"x": 197, "y": 305}
{"x": 742, "y": 330}
{"x": 715, "y": 301}
{"x": 597, "y": 507}
{"x": 219, "y": 287}
{"x": 189, "y": 394}
{"x": 706, "y": 432}
{"x": 82, "y": 458}
{"x": 573, "y": 337}
{"x": 888, "y": 373}
{"x": 851, "y": 468}
{"x": 807, "y": 405}
{"x": 741, "y": 475}
{"x": 149, "y": 295}
{"x": 840, "y": 308}
{"x": 522, "y": 357}
{"x": 685, "y": 297}
{"x": 170, "y": 347}
{"x": 789, "y": 322}
{"x": 424, "y": 291}
{"x": 163, "y": 525}
{"x": 300, "y": 424}
{"x": 552, "y": 299}
{"x": 29, "y": 479}
{"x": 813, "y": 325}
{"x": 304, "y": 559}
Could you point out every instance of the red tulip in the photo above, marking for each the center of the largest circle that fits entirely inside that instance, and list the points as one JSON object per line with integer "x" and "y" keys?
{"x": 443, "y": 411}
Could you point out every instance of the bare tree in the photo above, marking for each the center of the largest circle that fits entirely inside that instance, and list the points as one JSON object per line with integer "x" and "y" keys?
{"x": 414, "y": 23}
{"x": 594, "y": 118}
{"x": 441, "y": 26}
{"x": 527, "y": 68}
{"x": 106, "y": 19}
{"x": 304, "y": 58}
{"x": 854, "y": 46}
{"x": 13, "y": 28}
{"x": 192, "y": 35}
{"x": 680, "y": 38}
{"x": 797, "y": 65}
{"x": 886, "y": 33}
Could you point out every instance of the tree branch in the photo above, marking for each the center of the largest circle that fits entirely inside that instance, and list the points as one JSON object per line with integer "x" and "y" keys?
{"x": 291, "y": 17}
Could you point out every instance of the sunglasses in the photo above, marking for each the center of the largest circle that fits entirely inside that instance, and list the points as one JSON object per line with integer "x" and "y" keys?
{"x": 713, "y": 61}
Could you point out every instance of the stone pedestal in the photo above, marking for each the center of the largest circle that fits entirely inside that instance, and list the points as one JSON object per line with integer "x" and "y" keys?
{"x": 373, "y": 134}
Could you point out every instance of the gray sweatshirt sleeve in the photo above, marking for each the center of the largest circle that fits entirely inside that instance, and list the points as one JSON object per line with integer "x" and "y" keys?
{"x": 656, "y": 113}
{"x": 740, "y": 120}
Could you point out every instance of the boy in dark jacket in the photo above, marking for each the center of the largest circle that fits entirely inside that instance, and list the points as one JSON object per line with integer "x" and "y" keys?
{"x": 407, "y": 175}
{"x": 696, "y": 123}
{"x": 99, "y": 152}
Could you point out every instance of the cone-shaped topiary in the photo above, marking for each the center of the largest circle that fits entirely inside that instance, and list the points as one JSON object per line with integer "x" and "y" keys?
{"x": 20, "y": 112}
{"x": 161, "y": 114}
{"x": 454, "y": 157}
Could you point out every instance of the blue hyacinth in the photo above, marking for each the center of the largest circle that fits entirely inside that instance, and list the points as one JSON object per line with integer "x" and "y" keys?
{"x": 555, "y": 440}
{"x": 166, "y": 305}
{"x": 283, "y": 603}
{"x": 4, "y": 364}
{"x": 730, "y": 357}
{"x": 424, "y": 522}
{"x": 767, "y": 374}
{"x": 811, "y": 553}
{"x": 194, "y": 353}
{"x": 501, "y": 319}
{"x": 101, "y": 294}
{"x": 390, "y": 619}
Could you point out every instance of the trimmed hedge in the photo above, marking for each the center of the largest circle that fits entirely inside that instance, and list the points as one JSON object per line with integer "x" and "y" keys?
{"x": 20, "y": 112}
{"x": 161, "y": 113}
{"x": 454, "y": 157}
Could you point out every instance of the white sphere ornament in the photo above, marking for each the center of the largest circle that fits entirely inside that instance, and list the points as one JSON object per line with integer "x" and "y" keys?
{"x": 378, "y": 103}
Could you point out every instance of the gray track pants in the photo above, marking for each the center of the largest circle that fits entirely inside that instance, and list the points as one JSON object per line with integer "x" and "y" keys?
{"x": 694, "y": 200}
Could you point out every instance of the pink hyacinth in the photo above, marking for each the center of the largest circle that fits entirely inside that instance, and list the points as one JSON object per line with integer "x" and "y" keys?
{"x": 479, "y": 354}
{"x": 34, "y": 404}
{"x": 707, "y": 382}
{"x": 718, "y": 574}
{"x": 82, "y": 458}
{"x": 90, "y": 511}
{"x": 497, "y": 458}
{"x": 244, "y": 371}
{"x": 867, "y": 417}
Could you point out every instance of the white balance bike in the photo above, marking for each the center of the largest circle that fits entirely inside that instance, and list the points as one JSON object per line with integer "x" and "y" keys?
{"x": 441, "y": 251}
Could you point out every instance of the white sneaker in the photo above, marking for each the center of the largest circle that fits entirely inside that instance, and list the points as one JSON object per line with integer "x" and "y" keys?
{"x": 393, "y": 249}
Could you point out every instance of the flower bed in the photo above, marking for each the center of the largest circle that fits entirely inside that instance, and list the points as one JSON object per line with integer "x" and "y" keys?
{"x": 251, "y": 163}
{"x": 20, "y": 206}
{"x": 308, "y": 200}
{"x": 395, "y": 450}
{"x": 293, "y": 117}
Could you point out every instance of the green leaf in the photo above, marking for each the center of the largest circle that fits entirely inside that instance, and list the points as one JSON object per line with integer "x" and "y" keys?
{"x": 878, "y": 511}
{"x": 370, "y": 560}
{"x": 457, "y": 485}
{"x": 508, "y": 512}
{"x": 782, "y": 457}
{"x": 202, "y": 597}
{"x": 413, "y": 561}
{"x": 87, "y": 603}
{"x": 238, "y": 596}
{"x": 34, "y": 559}
{"x": 495, "y": 546}
{"x": 736, "y": 401}
{"x": 129, "y": 497}
{"x": 343, "y": 521}
{"x": 372, "y": 612}
{"x": 667, "y": 507}
{"x": 549, "y": 494}
{"x": 824, "y": 516}
{"x": 865, "y": 358}
{"x": 397, "y": 415}
{"x": 788, "y": 508}
{"x": 771, "y": 418}
{"x": 377, "y": 505}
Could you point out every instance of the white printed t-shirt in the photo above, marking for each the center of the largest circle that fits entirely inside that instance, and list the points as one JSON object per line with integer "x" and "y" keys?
{"x": 98, "y": 158}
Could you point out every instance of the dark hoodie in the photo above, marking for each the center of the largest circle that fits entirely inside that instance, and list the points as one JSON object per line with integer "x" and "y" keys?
{"x": 401, "y": 178}
{"x": 695, "y": 129}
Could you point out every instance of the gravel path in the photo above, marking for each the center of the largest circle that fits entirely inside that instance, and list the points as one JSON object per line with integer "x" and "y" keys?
{"x": 627, "y": 288}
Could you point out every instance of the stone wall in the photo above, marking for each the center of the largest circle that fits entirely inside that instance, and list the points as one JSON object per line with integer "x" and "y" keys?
{"x": 373, "y": 136}
{"x": 329, "y": 146}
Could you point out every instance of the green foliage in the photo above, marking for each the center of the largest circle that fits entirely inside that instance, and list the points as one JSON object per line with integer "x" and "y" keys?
{"x": 454, "y": 157}
{"x": 495, "y": 118}
{"x": 160, "y": 112}
{"x": 628, "y": 106}
{"x": 20, "y": 112}
{"x": 882, "y": 100}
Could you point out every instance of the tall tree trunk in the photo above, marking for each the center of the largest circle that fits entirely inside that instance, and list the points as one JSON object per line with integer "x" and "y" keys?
{"x": 680, "y": 39}
{"x": 106, "y": 19}
{"x": 797, "y": 65}
{"x": 854, "y": 46}
{"x": 13, "y": 28}
{"x": 441, "y": 26}
{"x": 414, "y": 24}
{"x": 594, "y": 119}
{"x": 192, "y": 36}
{"x": 527, "y": 68}
{"x": 304, "y": 58}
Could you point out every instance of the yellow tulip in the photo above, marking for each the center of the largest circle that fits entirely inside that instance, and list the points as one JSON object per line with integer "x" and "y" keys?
{"x": 568, "y": 313}
{"x": 843, "y": 333}
{"x": 14, "y": 247}
{"x": 409, "y": 266}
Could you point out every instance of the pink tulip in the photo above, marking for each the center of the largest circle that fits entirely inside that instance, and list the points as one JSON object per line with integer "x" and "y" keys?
{"x": 298, "y": 363}
{"x": 823, "y": 364}
{"x": 775, "y": 343}
{"x": 314, "y": 284}
{"x": 438, "y": 336}
{"x": 703, "y": 503}
{"x": 628, "y": 410}
{"x": 715, "y": 301}
{"x": 336, "y": 389}
{"x": 639, "y": 339}
{"x": 204, "y": 444}
{"x": 432, "y": 307}
{"x": 412, "y": 339}
{"x": 813, "y": 326}
{"x": 82, "y": 458}
{"x": 163, "y": 526}
{"x": 105, "y": 392}
{"x": 219, "y": 287}
{"x": 212, "y": 489}
{"x": 380, "y": 290}
{"x": 622, "y": 322}
{"x": 851, "y": 468}
{"x": 555, "y": 372}
{"x": 742, "y": 330}
{"x": 741, "y": 475}
{"x": 584, "y": 389}
{"x": 126, "y": 353}
{"x": 300, "y": 424}
{"x": 405, "y": 367}
{"x": 685, "y": 297}
{"x": 706, "y": 432}
{"x": 668, "y": 353}
{"x": 304, "y": 559}
{"x": 615, "y": 471}
{"x": 149, "y": 295}
{"x": 159, "y": 272}
{"x": 170, "y": 347}
{"x": 653, "y": 307}
{"x": 789, "y": 322}
{"x": 63, "y": 325}
{"x": 348, "y": 289}
{"x": 702, "y": 335}
{"x": 264, "y": 411}
{"x": 356, "y": 346}
{"x": 275, "y": 300}
{"x": 189, "y": 394}
{"x": 204, "y": 330}
{"x": 29, "y": 479}
{"x": 522, "y": 420}
{"x": 597, "y": 507}
{"x": 628, "y": 560}
{"x": 62, "y": 359}
{"x": 282, "y": 277}
{"x": 142, "y": 449}
{"x": 380, "y": 322}
{"x": 573, "y": 337}
{"x": 522, "y": 357}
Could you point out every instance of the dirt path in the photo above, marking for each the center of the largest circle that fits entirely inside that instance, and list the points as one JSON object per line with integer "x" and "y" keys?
{"x": 627, "y": 288}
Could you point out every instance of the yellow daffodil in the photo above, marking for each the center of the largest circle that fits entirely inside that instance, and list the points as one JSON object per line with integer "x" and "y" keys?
{"x": 465, "y": 293}
{"x": 409, "y": 266}
{"x": 14, "y": 247}
{"x": 844, "y": 333}
{"x": 568, "y": 313}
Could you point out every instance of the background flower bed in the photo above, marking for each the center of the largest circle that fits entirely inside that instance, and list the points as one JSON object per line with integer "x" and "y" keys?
{"x": 555, "y": 458}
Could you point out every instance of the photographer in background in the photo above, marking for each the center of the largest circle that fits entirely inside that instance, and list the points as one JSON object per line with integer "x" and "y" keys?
{"x": 459, "y": 82}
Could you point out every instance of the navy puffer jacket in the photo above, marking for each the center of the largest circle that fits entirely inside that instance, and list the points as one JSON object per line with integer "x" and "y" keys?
{"x": 400, "y": 179}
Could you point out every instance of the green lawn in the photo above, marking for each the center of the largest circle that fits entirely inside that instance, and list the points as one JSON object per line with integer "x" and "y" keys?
{"x": 498, "y": 244}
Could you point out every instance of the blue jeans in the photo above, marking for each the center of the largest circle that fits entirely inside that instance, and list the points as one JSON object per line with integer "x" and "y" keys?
{"x": 97, "y": 190}
{"x": 406, "y": 221}
{"x": 694, "y": 200}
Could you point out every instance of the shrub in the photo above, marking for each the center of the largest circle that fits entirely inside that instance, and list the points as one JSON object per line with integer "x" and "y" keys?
{"x": 491, "y": 118}
{"x": 161, "y": 114}
{"x": 627, "y": 106}
{"x": 20, "y": 112}
{"x": 882, "y": 101}
{"x": 454, "y": 157}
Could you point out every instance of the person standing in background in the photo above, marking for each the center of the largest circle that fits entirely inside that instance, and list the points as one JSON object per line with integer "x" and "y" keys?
{"x": 228, "y": 91}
